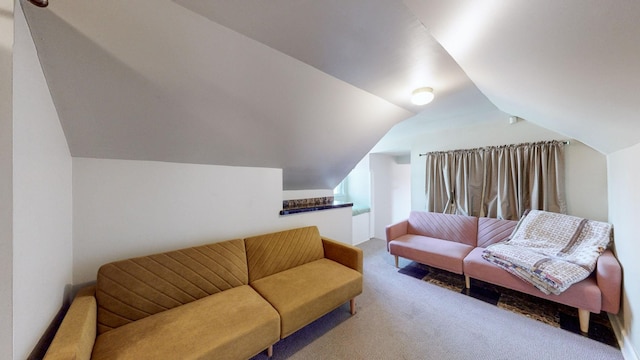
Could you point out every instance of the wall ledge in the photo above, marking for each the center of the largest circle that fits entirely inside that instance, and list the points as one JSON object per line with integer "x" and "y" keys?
{"x": 311, "y": 204}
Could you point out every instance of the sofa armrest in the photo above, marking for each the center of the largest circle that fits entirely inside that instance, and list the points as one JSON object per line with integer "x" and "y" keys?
{"x": 347, "y": 255}
{"x": 396, "y": 230}
{"x": 77, "y": 333}
{"x": 609, "y": 279}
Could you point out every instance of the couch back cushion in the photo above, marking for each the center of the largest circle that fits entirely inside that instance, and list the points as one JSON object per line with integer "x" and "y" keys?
{"x": 459, "y": 228}
{"x": 272, "y": 253}
{"x": 491, "y": 231}
{"x": 132, "y": 289}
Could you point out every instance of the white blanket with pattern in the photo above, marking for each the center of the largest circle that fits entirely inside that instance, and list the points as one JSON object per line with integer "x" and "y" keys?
{"x": 551, "y": 251}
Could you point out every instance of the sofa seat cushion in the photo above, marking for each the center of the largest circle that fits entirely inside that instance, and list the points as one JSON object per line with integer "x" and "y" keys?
{"x": 306, "y": 292}
{"x": 583, "y": 295}
{"x": 233, "y": 324}
{"x": 442, "y": 254}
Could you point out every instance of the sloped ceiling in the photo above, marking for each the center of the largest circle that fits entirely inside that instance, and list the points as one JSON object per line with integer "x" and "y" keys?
{"x": 311, "y": 86}
{"x": 572, "y": 66}
{"x": 151, "y": 80}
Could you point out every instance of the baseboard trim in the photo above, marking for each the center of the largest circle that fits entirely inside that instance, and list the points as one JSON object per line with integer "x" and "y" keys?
{"x": 628, "y": 352}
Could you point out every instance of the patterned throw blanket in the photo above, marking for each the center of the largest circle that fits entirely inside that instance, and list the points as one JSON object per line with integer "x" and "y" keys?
{"x": 551, "y": 251}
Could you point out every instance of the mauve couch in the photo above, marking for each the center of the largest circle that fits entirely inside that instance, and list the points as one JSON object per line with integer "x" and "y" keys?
{"x": 226, "y": 300}
{"x": 455, "y": 243}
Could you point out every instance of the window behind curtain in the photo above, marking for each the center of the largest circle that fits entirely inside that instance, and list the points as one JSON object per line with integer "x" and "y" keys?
{"x": 499, "y": 181}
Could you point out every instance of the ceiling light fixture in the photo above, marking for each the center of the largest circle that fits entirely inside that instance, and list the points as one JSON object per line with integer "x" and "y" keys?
{"x": 422, "y": 96}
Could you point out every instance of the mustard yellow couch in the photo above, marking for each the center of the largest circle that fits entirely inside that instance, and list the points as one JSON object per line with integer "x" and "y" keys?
{"x": 227, "y": 300}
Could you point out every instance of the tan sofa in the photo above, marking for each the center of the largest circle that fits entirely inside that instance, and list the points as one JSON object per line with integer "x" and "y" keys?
{"x": 455, "y": 243}
{"x": 226, "y": 300}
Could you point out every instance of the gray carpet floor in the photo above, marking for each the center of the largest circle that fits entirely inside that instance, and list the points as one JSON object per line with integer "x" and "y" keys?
{"x": 549, "y": 312}
{"x": 401, "y": 317}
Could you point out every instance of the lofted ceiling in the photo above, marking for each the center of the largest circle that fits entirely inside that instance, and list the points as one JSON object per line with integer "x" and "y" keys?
{"x": 570, "y": 66}
{"x": 312, "y": 86}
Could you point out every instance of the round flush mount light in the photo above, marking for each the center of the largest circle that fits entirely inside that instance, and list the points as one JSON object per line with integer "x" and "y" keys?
{"x": 422, "y": 96}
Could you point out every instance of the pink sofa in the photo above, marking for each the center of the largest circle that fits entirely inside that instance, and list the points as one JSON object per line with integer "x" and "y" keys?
{"x": 455, "y": 243}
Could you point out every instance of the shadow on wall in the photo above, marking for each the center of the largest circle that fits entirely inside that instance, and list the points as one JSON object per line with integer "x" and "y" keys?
{"x": 41, "y": 347}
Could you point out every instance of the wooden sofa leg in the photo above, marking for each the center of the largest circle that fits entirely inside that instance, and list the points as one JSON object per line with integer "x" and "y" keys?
{"x": 270, "y": 351}
{"x": 583, "y": 316}
{"x": 352, "y": 306}
{"x": 467, "y": 281}
{"x": 396, "y": 256}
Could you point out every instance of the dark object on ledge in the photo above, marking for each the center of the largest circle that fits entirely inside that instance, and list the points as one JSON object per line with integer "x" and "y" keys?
{"x": 311, "y": 204}
{"x": 334, "y": 205}
{"x": 40, "y": 3}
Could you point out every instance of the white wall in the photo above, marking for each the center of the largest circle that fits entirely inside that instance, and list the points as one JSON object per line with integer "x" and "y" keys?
{"x": 586, "y": 174}
{"x": 586, "y": 182}
{"x": 389, "y": 192}
{"x": 42, "y": 223}
{"x": 624, "y": 208}
{"x": 335, "y": 224}
{"x": 130, "y": 208}
{"x": 358, "y": 190}
{"x": 6, "y": 179}
{"x": 359, "y": 183}
{"x": 360, "y": 228}
{"x": 306, "y": 194}
{"x": 381, "y": 202}
{"x": 400, "y": 191}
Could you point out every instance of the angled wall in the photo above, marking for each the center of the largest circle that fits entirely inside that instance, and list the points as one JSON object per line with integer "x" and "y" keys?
{"x": 6, "y": 179}
{"x": 42, "y": 217}
{"x": 624, "y": 207}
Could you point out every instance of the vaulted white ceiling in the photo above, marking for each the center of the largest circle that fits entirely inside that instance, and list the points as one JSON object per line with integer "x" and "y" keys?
{"x": 311, "y": 86}
{"x": 570, "y": 66}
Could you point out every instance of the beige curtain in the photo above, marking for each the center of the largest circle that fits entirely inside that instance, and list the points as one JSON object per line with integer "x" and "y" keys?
{"x": 439, "y": 183}
{"x": 500, "y": 182}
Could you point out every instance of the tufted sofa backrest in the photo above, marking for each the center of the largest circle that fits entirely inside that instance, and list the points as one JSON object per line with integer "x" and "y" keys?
{"x": 132, "y": 289}
{"x": 272, "y": 253}
{"x": 491, "y": 231}
{"x": 459, "y": 228}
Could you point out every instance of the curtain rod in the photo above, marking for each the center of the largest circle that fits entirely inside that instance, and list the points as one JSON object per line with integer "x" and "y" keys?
{"x": 566, "y": 142}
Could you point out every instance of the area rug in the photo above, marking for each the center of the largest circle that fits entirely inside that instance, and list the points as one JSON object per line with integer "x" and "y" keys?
{"x": 548, "y": 312}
